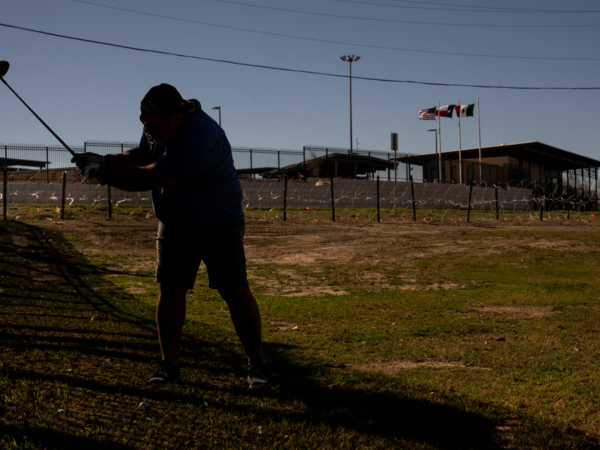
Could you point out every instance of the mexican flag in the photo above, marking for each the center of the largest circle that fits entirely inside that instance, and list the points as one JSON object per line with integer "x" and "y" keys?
{"x": 464, "y": 110}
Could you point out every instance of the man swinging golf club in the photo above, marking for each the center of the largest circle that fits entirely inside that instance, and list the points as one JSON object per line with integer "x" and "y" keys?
{"x": 185, "y": 158}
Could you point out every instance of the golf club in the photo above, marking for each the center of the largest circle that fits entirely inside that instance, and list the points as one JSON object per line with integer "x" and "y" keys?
{"x": 4, "y": 65}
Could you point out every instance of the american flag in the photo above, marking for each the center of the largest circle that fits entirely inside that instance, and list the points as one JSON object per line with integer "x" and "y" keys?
{"x": 427, "y": 114}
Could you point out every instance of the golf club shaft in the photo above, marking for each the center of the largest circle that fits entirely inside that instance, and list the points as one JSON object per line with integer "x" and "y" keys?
{"x": 40, "y": 119}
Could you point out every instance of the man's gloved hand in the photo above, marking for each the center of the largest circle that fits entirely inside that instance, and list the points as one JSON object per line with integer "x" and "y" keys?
{"x": 90, "y": 171}
{"x": 89, "y": 158}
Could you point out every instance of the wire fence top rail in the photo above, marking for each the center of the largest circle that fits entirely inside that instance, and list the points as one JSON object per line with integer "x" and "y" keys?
{"x": 45, "y": 163}
{"x": 39, "y": 162}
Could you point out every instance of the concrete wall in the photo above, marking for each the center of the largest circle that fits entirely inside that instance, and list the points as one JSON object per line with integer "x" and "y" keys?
{"x": 312, "y": 193}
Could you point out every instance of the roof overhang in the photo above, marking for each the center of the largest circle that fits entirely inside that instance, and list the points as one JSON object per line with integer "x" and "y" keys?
{"x": 535, "y": 147}
{"x": 10, "y": 162}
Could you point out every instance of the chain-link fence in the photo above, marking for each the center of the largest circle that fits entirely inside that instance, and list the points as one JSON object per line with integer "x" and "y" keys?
{"x": 46, "y": 163}
{"x": 27, "y": 163}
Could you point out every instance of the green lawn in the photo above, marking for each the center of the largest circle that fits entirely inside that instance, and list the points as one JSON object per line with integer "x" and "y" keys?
{"x": 509, "y": 359}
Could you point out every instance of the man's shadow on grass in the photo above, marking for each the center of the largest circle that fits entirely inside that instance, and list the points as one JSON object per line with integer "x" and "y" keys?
{"x": 45, "y": 272}
{"x": 362, "y": 405}
{"x": 46, "y": 289}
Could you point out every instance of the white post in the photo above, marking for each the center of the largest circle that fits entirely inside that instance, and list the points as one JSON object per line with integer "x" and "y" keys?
{"x": 460, "y": 179}
{"x": 440, "y": 138}
{"x": 479, "y": 128}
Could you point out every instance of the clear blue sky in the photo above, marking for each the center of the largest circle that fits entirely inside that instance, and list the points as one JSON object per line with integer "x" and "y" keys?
{"x": 92, "y": 92}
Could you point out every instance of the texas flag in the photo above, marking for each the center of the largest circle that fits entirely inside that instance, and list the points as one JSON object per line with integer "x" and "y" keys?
{"x": 445, "y": 111}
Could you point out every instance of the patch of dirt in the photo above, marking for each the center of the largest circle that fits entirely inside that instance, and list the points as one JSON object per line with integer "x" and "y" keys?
{"x": 136, "y": 290}
{"x": 311, "y": 291}
{"x": 398, "y": 365}
{"x": 293, "y": 285}
{"x": 45, "y": 278}
{"x": 361, "y": 243}
{"x": 283, "y": 326}
{"x": 520, "y": 312}
{"x": 313, "y": 243}
{"x": 429, "y": 287}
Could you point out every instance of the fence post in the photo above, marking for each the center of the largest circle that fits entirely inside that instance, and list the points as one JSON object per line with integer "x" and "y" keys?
{"x": 541, "y": 205}
{"x": 5, "y": 177}
{"x": 582, "y": 186}
{"x": 121, "y": 147}
{"x": 5, "y": 182}
{"x": 285, "y": 198}
{"x": 332, "y": 201}
{"x": 378, "y": 210}
{"x": 278, "y": 159}
{"x": 109, "y": 203}
{"x": 84, "y": 146}
{"x": 497, "y": 210}
{"x": 596, "y": 173}
{"x": 251, "y": 173}
{"x": 64, "y": 187}
{"x": 47, "y": 167}
{"x": 412, "y": 190}
{"x": 470, "y": 196}
{"x": 389, "y": 176}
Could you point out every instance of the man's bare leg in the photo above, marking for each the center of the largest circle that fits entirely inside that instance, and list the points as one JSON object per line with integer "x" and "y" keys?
{"x": 170, "y": 315}
{"x": 246, "y": 320}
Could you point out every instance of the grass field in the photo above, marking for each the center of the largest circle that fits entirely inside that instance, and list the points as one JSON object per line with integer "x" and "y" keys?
{"x": 485, "y": 346}
{"x": 436, "y": 215}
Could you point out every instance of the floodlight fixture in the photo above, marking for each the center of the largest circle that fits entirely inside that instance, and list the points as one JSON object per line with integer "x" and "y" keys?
{"x": 219, "y": 108}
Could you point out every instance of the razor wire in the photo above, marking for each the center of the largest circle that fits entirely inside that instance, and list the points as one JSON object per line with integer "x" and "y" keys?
{"x": 356, "y": 200}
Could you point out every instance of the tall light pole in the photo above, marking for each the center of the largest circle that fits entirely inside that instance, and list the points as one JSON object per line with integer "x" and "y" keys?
{"x": 350, "y": 59}
{"x": 219, "y": 108}
{"x": 436, "y": 156}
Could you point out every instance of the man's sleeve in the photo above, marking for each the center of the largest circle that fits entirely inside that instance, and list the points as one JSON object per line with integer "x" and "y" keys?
{"x": 144, "y": 146}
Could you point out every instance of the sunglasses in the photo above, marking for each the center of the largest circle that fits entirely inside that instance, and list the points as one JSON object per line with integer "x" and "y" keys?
{"x": 156, "y": 125}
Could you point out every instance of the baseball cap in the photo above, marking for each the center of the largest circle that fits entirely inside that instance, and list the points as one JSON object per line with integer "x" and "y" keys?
{"x": 164, "y": 101}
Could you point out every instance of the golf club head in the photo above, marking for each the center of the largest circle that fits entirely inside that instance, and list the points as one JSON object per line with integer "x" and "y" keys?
{"x": 4, "y": 65}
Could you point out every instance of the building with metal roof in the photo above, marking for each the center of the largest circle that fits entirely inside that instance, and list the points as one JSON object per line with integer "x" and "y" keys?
{"x": 507, "y": 163}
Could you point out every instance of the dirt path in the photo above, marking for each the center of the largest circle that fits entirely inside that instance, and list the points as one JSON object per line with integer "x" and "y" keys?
{"x": 321, "y": 257}
{"x": 326, "y": 242}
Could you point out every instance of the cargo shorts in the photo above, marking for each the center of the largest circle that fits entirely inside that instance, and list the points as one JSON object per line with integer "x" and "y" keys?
{"x": 179, "y": 254}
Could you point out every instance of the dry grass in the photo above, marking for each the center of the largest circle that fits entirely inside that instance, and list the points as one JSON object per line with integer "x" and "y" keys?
{"x": 505, "y": 358}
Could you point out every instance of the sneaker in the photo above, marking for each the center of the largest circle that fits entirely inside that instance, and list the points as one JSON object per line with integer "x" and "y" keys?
{"x": 167, "y": 373}
{"x": 257, "y": 376}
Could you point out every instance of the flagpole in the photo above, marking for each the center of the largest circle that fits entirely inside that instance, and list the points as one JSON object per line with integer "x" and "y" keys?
{"x": 479, "y": 128}
{"x": 460, "y": 178}
{"x": 440, "y": 138}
